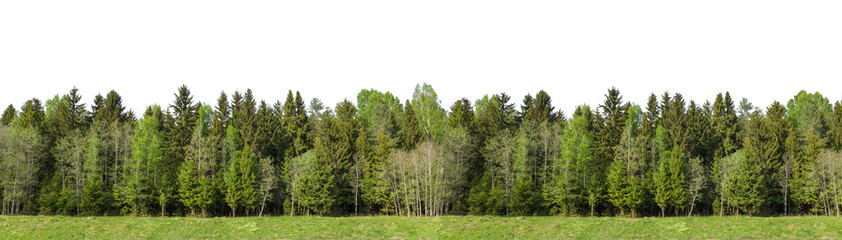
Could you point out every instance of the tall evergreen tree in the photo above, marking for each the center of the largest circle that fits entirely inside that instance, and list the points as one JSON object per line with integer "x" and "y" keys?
{"x": 410, "y": 129}
{"x": 835, "y": 135}
{"x": 724, "y": 125}
{"x": 461, "y": 114}
{"x": 539, "y": 109}
{"x": 8, "y": 115}
{"x": 295, "y": 126}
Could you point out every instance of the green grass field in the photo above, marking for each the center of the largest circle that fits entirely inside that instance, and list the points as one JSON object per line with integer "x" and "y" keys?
{"x": 450, "y": 227}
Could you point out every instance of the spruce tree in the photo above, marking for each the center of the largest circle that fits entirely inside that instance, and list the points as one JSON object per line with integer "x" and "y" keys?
{"x": 410, "y": 129}
{"x": 295, "y": 126}
{"x": 188, "y": 185}
{"x": 461, "y": 114}
{"x": 8, "y": 115}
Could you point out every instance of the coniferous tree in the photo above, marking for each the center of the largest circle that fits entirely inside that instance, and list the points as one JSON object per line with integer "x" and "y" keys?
{"x": 835, "y": 135}
{"x": 625, "y": 176}
{"x": 8, "y": 115}
{"x": 182, "y": 125}
{"x": 295, "y": 126}
{"x": 32, "y": 115}
{"x": 724, "y": 125}
{"x": 461, "y": 114}
{"x": 410, "y": 129}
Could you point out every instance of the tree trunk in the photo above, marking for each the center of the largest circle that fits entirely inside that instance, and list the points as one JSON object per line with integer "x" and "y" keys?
{"x": 263, "y": 205}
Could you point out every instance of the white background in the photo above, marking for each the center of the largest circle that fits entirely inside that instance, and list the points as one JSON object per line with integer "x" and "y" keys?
{"x": 575, "y": 50}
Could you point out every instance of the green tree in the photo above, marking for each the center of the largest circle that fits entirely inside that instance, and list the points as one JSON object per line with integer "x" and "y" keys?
{"x": 110, "y": 109}
{"x": 625, "y": 189}
{"x": 697, "y": 181}
{"x": 809, "y": 112}
{"x": 573, "y": 171}
{"x": 835, "y": 135}
{"x": 21, "y": 148}
{"x": 144, "y": 169}
{"x": 539, "y": 109}
{"x": 234, "y": 184}
{"x": 379, "y": 111}
{"x": 374, "y": 188}
{"x": 724, "y": 124}
{"x": 678, "y": 186}
{"x": 8, "y": 115}
{"x": 410, "y": 129}
{"x": 269, "y": 178}
{"x": 295, "y": 126}
{"x": 431, "y": 116}
{"x": 461, "y": 115}
{"x": 188, "y": 185}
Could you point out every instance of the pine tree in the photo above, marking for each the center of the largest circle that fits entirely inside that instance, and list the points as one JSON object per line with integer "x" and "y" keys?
{"x": 461, "y": 115}
{"x": 677, "y": 180}
{"x": 835, "y": 136}
{"x": 724, "y": 124}
{"x": 182, "y": 125}
{"x": 662, "y": 185}
{"x": 188, "y": 185}
{"x": 624, "y": 176}
{"x": 295, "y": 126}
{"x": 110, "y": 109}
{"x": 651, "y": 117}
{"x": 374, "y": 187}
{"x": 8, "y": 115}
{"x": 32, "y": 115}
{"x": 234, "y": 184}
{"x": 410, "y": 129}
{"x": 249, "y": 192}
{"x": 539, "y": 109}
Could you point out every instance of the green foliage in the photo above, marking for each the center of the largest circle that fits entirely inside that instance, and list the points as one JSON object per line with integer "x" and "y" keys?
{"x": 379, "y": 112}
{"x": 835, "y": 136}
{"x": 574, "y": 174}
{"x": 431, "y": 116}
{"x": 461, "y": 115}
{"x": 234, "y": 183}
{"x": 724, "y": 124}
{"x": 295, "y": 126}
{"x": 678, "y": 186}
{"x": 188, "y": 185}
{"x": 625, "y": 184}
{"x": 374, "y": 188}
{"x": 110, "y": 109}
{"x": 539, "y": 109}
{"x": 21, "y": 149}
{"x": 384, "y": 157}
{"x": 808, "y": 112}
{"x": 662, "y": 186}
{"x": 8, "y": 115}
{"x": 94, "y": 198}
{"x": 410, "y": 129}
{"x": 32, "y": 115}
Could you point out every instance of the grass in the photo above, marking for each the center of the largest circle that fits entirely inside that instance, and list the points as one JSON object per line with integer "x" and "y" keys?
{"x": 449, "y": 227}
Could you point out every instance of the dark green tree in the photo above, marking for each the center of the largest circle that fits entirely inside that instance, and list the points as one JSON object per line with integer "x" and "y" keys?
{"x": 8, "y": 115}
{"x": 410, "y": 129}
{"x": 724, "y": 125}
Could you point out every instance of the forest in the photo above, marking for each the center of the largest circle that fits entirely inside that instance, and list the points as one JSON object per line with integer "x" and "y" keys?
{"x": 241, "y": 156}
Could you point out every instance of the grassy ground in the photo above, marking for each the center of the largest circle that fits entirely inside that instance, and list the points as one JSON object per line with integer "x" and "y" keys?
{"x": 450, "y": 227}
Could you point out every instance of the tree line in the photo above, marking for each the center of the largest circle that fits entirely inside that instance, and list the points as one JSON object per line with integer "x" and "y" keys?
{"x": 381, "y": 156}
